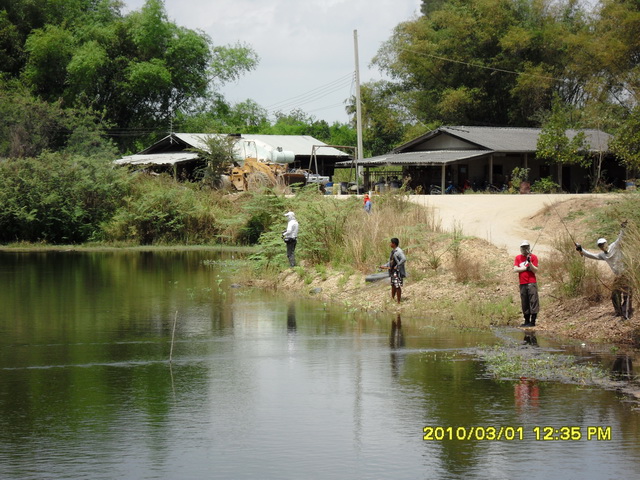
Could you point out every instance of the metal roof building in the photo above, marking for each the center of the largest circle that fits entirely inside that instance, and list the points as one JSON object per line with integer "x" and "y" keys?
{"x": 482, "y": 155}
{"x": 174, "y": 151}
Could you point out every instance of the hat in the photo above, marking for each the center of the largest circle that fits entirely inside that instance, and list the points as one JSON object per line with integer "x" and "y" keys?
{"x": 524, "y": 243}
{"x": 601, "y": 241}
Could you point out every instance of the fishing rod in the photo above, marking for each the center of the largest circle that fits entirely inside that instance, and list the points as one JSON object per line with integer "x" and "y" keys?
{"x": 564, "y": 224}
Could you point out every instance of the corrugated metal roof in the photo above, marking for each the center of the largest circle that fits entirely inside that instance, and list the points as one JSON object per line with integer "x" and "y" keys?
{"x": 507, "y": 139}
{"x": 298, "y": 144}
{"x": 157, "y": 158}
{"x": 172, "y": 148}
{"x": 430, "y": 157}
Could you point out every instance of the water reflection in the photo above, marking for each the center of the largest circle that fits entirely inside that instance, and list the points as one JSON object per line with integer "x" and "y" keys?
{"x": 291, "y": 318}
{"x": 623, "y": 367}
{"x": 530, "y": 339}
{"x": 527, "y": 394}
{"x": 396, "y": 341}
{"x": 260, "y": 387}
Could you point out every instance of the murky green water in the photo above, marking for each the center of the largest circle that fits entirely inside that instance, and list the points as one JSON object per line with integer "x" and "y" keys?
{"x": 260, "y": 387}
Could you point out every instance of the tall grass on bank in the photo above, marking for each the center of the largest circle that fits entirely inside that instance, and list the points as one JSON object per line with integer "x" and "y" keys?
{"x": 631, "y": 247}
{"x": 161, "y": 211}
{"x": 340, "y": 232}
{"x": 367, "y": 236}
{"x": 574, "y": 276}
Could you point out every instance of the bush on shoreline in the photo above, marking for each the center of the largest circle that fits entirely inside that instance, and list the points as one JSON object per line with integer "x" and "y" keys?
{"x": 58, "y": 198}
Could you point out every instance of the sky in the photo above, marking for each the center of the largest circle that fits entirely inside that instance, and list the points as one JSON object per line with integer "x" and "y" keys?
{"x": 306, "y": 47}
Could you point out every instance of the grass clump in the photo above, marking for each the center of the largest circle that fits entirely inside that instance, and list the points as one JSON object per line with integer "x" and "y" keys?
{"x": 511, "y": 363}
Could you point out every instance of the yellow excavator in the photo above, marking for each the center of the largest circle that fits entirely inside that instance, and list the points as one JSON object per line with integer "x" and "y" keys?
{"x": 254, "y": 174}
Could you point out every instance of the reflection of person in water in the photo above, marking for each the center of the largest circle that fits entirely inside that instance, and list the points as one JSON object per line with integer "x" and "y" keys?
{"x": 291, "y": 318}
{"x": 530, "y": 339}
{"x": 526, "y": 393}
{"x": 396, "y": 341}
{"x": 623, "y": 367}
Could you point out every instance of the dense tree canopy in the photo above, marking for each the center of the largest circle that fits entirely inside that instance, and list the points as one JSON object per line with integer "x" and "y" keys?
{"x": 476, "y": 62}
{"x": 139, "y": 68}
{"x": 500, "y": 62}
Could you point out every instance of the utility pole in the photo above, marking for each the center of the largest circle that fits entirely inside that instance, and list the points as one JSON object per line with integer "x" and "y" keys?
{"x": 359, "y": 153}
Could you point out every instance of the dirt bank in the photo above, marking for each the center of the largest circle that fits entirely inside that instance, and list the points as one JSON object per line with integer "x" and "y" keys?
{"x": 476, "y": 286}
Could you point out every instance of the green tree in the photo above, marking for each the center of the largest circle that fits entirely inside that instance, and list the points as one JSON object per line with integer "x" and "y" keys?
{"x": 555, "y": 145}
{"x": 29, "y": 126}
{"x": 384, "y": 118}
{"x": 218, "y": 154}
{"x": 626, "y": 142}
{"x": 484, "y": 61}
{"x": 138, "y": 69}
{"x": 49, "y": 51}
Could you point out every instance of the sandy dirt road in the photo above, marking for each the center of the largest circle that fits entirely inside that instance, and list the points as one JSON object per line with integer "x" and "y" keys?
{"x": 501, "y": 219}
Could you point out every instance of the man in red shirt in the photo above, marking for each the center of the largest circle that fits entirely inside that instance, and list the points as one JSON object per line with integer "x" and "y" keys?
{"x": 526, "y": 266}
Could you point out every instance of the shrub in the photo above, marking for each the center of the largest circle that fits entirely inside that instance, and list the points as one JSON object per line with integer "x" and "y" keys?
{"x": 545, "y": 185}
{"x": 58, "y": 198}
{"x": 162, "y": 211}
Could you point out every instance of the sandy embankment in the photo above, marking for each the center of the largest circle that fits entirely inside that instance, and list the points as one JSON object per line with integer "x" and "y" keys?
{"x": 503, "y": 220}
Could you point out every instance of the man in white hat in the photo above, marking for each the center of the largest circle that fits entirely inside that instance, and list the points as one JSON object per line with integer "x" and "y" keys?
{"x": 612, "y": 254}
{"x": 526, "y": 266}
{"x": 290, "y": 237}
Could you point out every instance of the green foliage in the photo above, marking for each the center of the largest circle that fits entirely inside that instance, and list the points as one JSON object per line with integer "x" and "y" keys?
{"x": 520, "y": 363}
{"x": 218, "y": 156}
{"x": 231, "y": 62}
{"x": 162, "y": 211}
{"x": 626, "y": 143}
{"x": 29, "y": 126}
{"x": 139, "y": 68}
{"x": 458, "y": 62}
{"x": 49, "y": 51}
{"x": 519, "y": 175}
{"x": 57, "y": 198}
{"x": 572, "y": 274}
{"x": 545, "y": 185}
{"x": 383, "y": 117}
{"x": 264, "y": 211}
{"x": 555, "y": 145}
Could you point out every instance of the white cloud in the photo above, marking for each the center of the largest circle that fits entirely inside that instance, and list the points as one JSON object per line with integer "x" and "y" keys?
{"x": 302, "y": 44}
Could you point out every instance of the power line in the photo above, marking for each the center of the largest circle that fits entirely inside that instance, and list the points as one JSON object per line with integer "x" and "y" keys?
{"x": 313, "y": 91}
{"x": 312, "y": 95}
{"x": 476, "y": 65}
{"x": 326, "y": 108}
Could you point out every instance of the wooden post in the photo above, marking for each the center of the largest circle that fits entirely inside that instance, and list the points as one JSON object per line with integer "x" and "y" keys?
{"x": 173, "y": 336}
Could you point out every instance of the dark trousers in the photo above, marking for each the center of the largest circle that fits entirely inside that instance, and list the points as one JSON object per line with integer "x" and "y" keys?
{"x": 291, "y": 249}
{"x": 529, "y": 298}
{"x": 621, "y": 296}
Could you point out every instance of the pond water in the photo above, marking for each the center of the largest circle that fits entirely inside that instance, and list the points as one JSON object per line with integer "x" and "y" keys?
{"x": 263, "y": 387}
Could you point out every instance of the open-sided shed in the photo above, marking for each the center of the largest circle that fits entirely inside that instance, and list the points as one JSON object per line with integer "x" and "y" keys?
{"x": 175, "y": 152}
{"x": 487, "y": 155}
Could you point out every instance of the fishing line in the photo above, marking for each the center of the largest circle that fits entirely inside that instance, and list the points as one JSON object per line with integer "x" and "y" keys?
{"x": 539, "y": 234}
{"x": 564, "y": 224}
